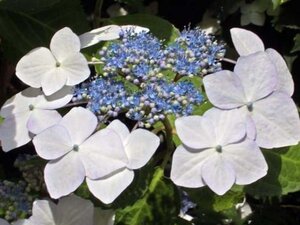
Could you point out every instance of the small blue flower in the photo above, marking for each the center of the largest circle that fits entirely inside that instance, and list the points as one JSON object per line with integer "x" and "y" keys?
{"x": 135, "y": 56}
{"x": 194, "y": 53}
{"x": 15, "y": 200}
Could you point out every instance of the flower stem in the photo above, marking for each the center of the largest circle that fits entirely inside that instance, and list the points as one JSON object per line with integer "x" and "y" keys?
{"x": 97, "y": 13}
{"x": 74, "y": 104}
{"x": 95, "y": 63}
{"x": 228, "y": 60}
{"x": 169, "y": 142}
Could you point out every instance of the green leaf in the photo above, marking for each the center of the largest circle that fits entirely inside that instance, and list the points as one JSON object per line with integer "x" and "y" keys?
{"x": 208, "y": 200}
{"x": 161, "y": 28}
{"x": 1, "y": 120}
{"x": 30, "y": 6}
{"x": 296, "y": 47}
{"x": 277, "y": 3}
{"x": 24, "y": 27}
{"x": 201, "y": 109}
{"x": 288, "y": 16}
{"x": 159, "y": 205}
{"x": 283, "y": 174}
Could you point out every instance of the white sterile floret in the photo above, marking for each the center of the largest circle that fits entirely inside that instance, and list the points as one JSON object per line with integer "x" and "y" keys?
{"x": 51, "y": 69}
{"x": 71, "y": 210}
{"x": 252, "y": 88}
{"x": 75, "y": 152}
{"x": 19, "y": 222}
{"x": 139, "y": 146}
{"x": 247, "y": 43}
{"x": 30, "y": 111}
{"x": 95, "y": 36}
{"x": 216, "y": 152}
{"x": 107, "y": 33}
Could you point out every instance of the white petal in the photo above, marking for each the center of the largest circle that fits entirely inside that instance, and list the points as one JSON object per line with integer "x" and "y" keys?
{"x": 40, "y": 120}
{"x": 105, "y": 33}
{"x": 64, "y": 43}
{"x": 246, "y": 42}
{"x": 110, "y": 187}
{"x": 285, "y": 80}
{"x": 195, "y": 132}
{"x": 43, "y": 212}
{"x": 218, "y": 174}
{"x": 80, "y": 124}
{"x": 32, "y": 67}
{"x": 120, "y": 128}
{"x": 257, "y": 74}
{"x": 140, "y": 146}
{"x": 104, "y": 217}
{"x": 229, "y": 125}
{"x": 14, "y": 132}
{"x": 57, "y": 100}
{"x": 21, "y": 222}
{"x": 247, "y": 161}
{"x": 250, "y": 125}
{"x": 277, "y": 121}
{"x": 20, "y": 102}
{"x": 53, "y": 81}
{"x": 64, "y": 176}
{"x": 75, "y": 68}
{"x": 53, "y": 142}
{"x": 73, "y": 210}
{"x": 186, "y": 167}
{"x": 3, "y": 222}
{"x": 224, "y": 89}
{"x": 102, "y": 153}
{"x": 135, "y": 29}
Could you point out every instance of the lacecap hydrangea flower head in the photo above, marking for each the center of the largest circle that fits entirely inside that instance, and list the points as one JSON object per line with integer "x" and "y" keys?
{"x": 140, "y": 79}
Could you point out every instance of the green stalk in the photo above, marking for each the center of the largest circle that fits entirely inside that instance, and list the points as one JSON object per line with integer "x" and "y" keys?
{"x": 97, "y": 13}
{"x": 169, "y": 142}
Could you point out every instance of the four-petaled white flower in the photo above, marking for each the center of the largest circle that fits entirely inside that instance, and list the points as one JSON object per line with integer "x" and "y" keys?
{"x": 52, "y": 69}
{"x": 71, "y": 210}
{"x": 139, "y": 146}
{"x": 216, "y": 152}
{"x": 30, "y": 111}
{"x": 247, "y": 43}
{"x": 107, "y": 33}
{"x": 75, "y": 153}
{"x": 252, "y": 88}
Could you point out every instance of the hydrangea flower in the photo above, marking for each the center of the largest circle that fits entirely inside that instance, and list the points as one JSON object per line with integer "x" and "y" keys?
{"x": 160, "y": 98}
{"x": 15, "y": 199}
{"x": 107, "y": 97}
{"x": 139, "y": 146}
{"x": 254, "y": 13}
{"x": 71, "y": 210}
{"x": 95, "y": 36}
{"x": 19, "y": 222}
{"x": 30, "y": 111}
{"x": 216, "y": 152}
{"x": 107, "y": 33}
{"x": 194, "y": 53}
{"x": 247, "y": 43}
{"x": 75, "y": 152}
{"x": 52, "y": 69}
{"x": 252, "y": 88}
{"x": 136, "y": 57}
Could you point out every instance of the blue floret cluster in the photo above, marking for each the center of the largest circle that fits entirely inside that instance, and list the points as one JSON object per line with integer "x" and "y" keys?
{"x": 15, "y": 201}
{"x": 146, "y": 80}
